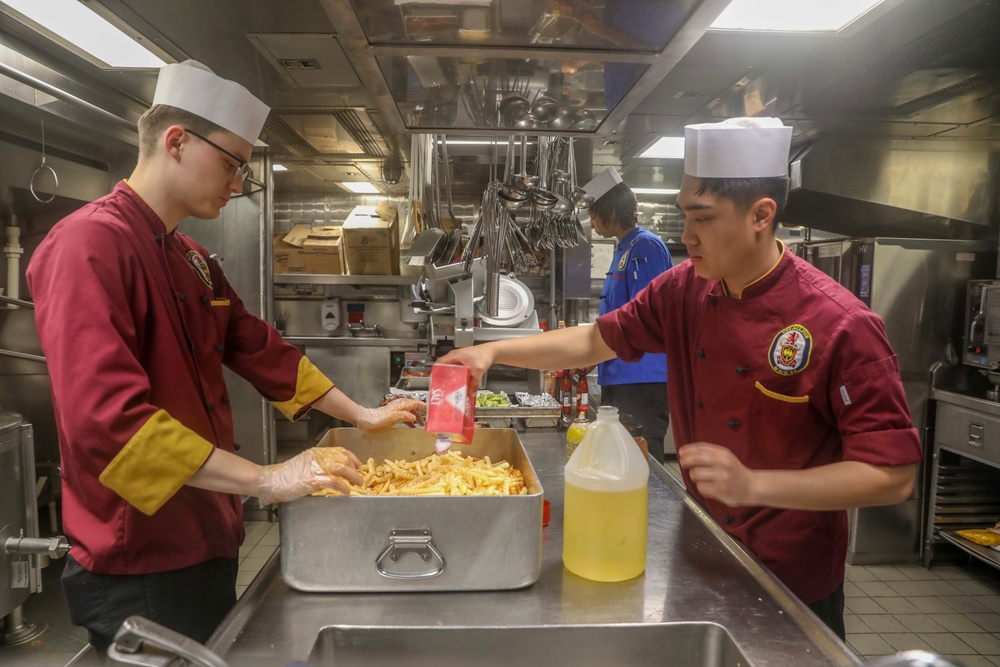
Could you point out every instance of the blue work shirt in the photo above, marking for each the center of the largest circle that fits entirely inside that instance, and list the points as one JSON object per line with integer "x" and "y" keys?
{"x": 640, "y": 256}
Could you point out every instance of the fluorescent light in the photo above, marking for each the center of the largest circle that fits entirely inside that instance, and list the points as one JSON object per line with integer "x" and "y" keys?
{"x": 468, "y": 142}
{"x": 666, "y": 147}
{"x": 278, "y": 167}
{"x": 792, "y": 15}
{"x": 83, "y": 28}
{"x": 655, "y": 191}
{"x": 362, "y": 187}
{"x": 477, "y": 142}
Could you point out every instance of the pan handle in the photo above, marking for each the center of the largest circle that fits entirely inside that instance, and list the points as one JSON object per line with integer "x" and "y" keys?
{"x": 402, "y": 542}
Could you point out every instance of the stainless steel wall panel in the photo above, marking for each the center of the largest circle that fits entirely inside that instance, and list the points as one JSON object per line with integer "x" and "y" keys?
{"x": 361, "y": 372}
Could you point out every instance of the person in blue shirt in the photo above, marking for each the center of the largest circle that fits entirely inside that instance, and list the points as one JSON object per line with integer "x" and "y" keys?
{"x": 638, "y": 388}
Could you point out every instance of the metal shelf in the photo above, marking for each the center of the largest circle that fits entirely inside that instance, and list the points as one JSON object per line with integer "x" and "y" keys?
{"x": 991, "y": 556}
{"x": 325, "y": 279}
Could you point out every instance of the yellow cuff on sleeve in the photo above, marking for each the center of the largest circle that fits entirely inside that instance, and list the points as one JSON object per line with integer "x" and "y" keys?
{"x": 156, "y": 462}
{"x": 309, "y": 386}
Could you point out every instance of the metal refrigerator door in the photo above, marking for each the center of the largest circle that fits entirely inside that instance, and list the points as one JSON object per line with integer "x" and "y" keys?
{"x": 917, "y": 286}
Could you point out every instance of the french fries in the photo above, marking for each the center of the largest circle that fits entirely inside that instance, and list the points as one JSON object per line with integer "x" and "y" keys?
{"x": 448, "y": 474}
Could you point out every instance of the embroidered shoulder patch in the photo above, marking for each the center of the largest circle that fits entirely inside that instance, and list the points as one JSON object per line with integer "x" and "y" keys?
{"x": 623, "y": 262}
{"x": 200, "y": 267}
{"x": 790, "y": 350}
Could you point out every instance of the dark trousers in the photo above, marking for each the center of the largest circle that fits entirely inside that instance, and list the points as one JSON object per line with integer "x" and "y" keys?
{"x": 192, "y": 600}
{"x": 831, "y": 611}
{"x": 647, "y": 403}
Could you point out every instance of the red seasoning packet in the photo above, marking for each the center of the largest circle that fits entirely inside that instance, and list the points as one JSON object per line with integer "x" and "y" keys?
{"x": 451, "y": 404}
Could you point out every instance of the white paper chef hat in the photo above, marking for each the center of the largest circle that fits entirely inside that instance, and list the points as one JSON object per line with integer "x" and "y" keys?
{"x": 600, "y": 185}
{"x": 737, "y": 148}
{"x": 195, "y": 88}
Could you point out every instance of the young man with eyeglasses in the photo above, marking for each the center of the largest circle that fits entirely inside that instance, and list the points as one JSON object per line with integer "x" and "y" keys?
{"x": 137, "y": 321}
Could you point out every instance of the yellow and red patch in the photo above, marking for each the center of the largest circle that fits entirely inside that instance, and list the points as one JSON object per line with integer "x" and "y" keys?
{"x": 790, "y": 350}
{"x": 200, "y": 267}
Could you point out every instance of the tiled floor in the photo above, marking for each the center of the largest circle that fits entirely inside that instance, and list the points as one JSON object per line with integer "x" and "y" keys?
{"x": 954, "y": 611}
{"x": 261, "y": 542}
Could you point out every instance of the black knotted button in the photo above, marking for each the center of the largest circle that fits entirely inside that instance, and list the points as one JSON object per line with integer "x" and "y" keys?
{"x": 237, "y": 446}
{"x": 701, "y": 354}
{"x": 159, "y": 239}
{"x": 182, "y": 296}
{"x": 712, "y": 301}
{"x": 206, "y": 299}
{"x": 224, "y": 400}
{"x": 733, "y": 423}
{"x": 220, "y": 348}
{"x": 699, "y": 404}
{"x": 742, "y": 370}
{"x": 728, "y": 519}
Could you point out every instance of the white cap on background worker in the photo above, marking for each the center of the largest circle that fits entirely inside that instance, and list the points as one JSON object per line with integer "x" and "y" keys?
{"x": 600, "y": 185}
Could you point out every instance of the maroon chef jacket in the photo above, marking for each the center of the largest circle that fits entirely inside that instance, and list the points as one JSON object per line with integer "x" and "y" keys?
{"x": 134, "y": 320}
{"x": 796, "y": 373}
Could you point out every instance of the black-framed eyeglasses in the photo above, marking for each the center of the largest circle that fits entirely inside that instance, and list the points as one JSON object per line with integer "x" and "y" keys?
{"x": 242, "y": 171}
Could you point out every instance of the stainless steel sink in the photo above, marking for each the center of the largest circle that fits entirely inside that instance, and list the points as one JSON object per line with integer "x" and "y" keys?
{"x": 633, "y": 645}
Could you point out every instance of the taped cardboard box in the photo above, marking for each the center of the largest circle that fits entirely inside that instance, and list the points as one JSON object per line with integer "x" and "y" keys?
{"x": 316, "y": 254}
{"x": 371, "y": 242}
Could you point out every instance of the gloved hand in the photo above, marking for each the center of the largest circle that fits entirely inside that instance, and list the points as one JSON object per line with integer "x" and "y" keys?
{"x": 312, "y": 470}
{"x": 404, "y": 410}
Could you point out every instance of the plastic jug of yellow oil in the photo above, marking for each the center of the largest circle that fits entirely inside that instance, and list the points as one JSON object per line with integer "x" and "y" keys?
{"x": 606, "y": 503}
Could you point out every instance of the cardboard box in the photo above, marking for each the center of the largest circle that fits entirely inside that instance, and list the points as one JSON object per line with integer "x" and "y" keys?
{"x": 451, "y": 402}
{"x": 371, "y": 242}
{"x": 317, "y": 254}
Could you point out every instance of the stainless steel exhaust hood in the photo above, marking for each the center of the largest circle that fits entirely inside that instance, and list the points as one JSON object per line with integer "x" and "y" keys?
{"x": 928, "y": 188}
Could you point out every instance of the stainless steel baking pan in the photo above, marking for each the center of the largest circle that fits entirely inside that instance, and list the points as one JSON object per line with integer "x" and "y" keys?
{"x": 405, "y": 543}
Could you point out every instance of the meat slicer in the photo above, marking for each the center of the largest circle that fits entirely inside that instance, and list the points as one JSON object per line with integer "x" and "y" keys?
{"x": 456, "y": 305}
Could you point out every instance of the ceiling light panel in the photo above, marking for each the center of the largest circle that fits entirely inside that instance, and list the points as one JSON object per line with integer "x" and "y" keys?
{"x": 792, "y": 15}
{"x": 360, "y": 187}
{"x": 655, "y": 191}
{"x": 666, "y": 147}
{"x": 80, "y": 28}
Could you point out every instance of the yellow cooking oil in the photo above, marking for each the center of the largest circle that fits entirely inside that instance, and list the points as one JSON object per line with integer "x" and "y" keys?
{"x": 605, "y": 533}
{"x": 605, "y": 508}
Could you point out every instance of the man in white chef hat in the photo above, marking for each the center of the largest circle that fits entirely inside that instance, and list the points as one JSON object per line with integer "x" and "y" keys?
{"x": 137, "y": 321}
{"x": 638, "y": 389}
{"x": 786, "y": 402}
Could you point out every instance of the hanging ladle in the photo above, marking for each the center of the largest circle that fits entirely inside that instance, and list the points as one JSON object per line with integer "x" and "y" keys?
{"x": 510, "y": 197}
{"x": 578, "y": 195}
{"x": 541, "y": 197}
{"x": 43, "y": 167}
{"x": 523, "y": 181}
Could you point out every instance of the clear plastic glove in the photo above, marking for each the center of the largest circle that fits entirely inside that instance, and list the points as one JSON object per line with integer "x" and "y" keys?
{"x": 404, "y": 410}
{"x": 312, "y": 470}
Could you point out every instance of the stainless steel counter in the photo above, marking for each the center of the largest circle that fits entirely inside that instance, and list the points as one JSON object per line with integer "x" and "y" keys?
{"x": 694, "y": 573}
{"x": 972, "y": 402}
